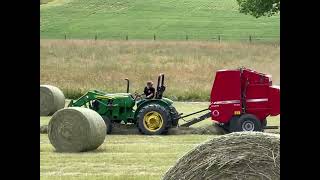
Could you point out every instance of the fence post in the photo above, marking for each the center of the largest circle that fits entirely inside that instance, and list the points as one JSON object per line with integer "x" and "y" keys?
{"x": 95, "y": 37}
{"x": 250, "y": 38}
{"x": 127, "y": 37}
{"x": 187, "y": 37}
{"x": 154, "y": 37}
{"x": 65, "y": 36}
{"x": 219, "y": 39}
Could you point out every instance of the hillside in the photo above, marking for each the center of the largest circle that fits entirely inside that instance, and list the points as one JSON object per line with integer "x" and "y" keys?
{"x": 140, "y": 19}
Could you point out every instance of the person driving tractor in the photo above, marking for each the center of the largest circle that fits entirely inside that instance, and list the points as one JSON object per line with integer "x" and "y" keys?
{"x": 149, "y": 90}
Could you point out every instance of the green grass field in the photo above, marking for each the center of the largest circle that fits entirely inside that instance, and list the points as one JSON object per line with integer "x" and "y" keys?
{"x": 124, "y": 156}
{"x": 140, "y": 19}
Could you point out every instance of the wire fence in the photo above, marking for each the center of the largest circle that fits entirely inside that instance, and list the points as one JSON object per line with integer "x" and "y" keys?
{"x": 155, "y": 37}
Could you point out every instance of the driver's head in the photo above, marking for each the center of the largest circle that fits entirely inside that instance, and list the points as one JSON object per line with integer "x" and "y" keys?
{"x": 149, "y": 84}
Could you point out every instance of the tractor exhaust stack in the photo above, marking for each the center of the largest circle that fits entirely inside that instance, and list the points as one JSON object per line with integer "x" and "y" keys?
{"x": 128, "y": 84}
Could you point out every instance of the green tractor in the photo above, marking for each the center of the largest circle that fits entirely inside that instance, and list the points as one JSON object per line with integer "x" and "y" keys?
{"x": 152, "y": 116}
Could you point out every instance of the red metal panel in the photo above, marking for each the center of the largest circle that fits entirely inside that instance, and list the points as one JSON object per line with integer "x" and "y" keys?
{"x": 226, "y": 86}
{"x": 274, "y": 100}
{"x": 257, "y": 100}
{"x": 223, "y": 113}
{"x": 256, "y": 87}
{"x": 225, "y": 95}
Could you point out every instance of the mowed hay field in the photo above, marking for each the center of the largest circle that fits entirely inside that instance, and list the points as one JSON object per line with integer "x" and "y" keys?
{"x": 124, "y": 156}
{"x": 76, "y": 66}
{"x": 141, "y": 19}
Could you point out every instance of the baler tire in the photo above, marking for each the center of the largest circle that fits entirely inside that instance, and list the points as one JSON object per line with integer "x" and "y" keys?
{"x": 108, "y": 123}
{"x": 249, "y": 117}
{"x": 234, "y": 124}
{"x": 264, "y": 123}
{"x": 225, "y": 127}
{"x": 165, "y": 115}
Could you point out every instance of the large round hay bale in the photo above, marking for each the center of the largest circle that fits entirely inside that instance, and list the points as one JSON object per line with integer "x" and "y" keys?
{"x": 241, "y": 155}
{"x": 76, "y": 129}
{"x": 51, "y": 100}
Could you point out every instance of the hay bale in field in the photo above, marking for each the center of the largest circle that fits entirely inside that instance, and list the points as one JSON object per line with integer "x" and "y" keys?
{"x": 51, "y": 100}
{"x": 44, "y": 129}
{"x": 76, "y": 129}
{"x": 241, "y": 155}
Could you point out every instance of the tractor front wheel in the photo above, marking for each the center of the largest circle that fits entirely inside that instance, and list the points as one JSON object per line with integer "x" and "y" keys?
{"x": 153, "y": 119}
{"x": 108, "y": 123}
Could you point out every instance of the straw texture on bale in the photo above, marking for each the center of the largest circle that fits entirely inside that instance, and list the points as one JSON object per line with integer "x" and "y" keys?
{"x": 51, "y": 100}
{"x": 76, "y": 129}
{"x": 241, "y": 155}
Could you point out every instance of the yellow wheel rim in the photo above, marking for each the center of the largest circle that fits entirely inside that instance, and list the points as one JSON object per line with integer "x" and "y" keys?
{"x": 152, "y": 121}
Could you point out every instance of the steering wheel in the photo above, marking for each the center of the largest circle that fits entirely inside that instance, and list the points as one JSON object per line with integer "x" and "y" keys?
{"x": 137, "y": 96}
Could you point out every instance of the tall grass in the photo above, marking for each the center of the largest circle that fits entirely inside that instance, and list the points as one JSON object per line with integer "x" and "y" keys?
{"x": 76, "y": 66}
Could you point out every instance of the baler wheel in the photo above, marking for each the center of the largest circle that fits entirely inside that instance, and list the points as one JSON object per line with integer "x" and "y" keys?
{"x": 264, "y": 123}
{"x": 153, "y": 119}
{"x": 234, "y": 124}
{"x": 108, "y": 124}
{"x": 246, "y": 122}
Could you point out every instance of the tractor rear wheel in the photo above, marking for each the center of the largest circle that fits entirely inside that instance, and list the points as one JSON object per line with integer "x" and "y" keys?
{"x": 246, "y": 122}
{"x": 153, "y": 119}
{"x": 108, "y": 124}
{"x": 174, "y": 116}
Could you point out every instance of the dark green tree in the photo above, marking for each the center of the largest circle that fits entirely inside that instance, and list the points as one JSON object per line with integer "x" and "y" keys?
{"x": 258, "y": 8}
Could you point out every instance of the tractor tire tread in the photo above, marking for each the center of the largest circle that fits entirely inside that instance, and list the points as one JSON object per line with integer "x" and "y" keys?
{"x": 109, "y": 124}
{"x": 174, "y": 115}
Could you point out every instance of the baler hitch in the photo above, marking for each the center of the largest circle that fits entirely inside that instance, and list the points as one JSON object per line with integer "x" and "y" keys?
{"x": 195, "y": 120}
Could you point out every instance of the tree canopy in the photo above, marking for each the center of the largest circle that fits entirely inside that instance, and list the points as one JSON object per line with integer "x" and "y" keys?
{"x": 258, "y": 8}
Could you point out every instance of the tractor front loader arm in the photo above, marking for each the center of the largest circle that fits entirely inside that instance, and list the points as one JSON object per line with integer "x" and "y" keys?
{"x": 86, "y": 98}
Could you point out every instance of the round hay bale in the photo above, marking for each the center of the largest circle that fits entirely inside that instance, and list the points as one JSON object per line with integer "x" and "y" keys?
{"x": 241, "y": 155}
{"x": 51, "y": 100}
{"x": 76, "y": 129}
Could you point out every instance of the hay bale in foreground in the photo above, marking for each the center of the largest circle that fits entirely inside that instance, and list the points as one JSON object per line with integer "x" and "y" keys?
{"x": 76, "y": 129}
{"x": 241, "y": 155}
{"x": 51, "y": 100}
